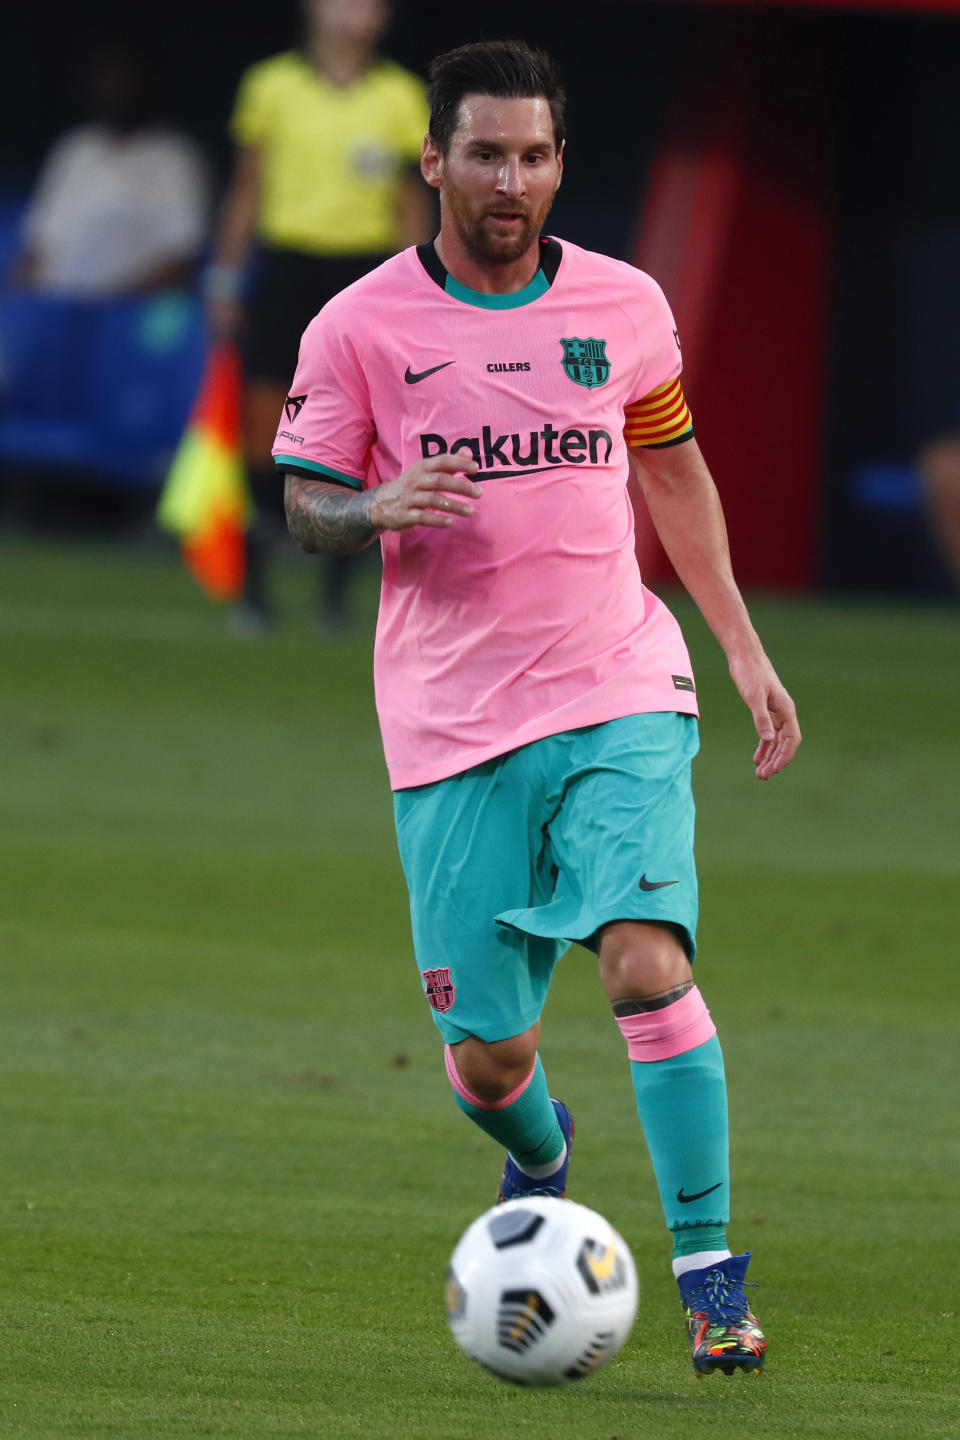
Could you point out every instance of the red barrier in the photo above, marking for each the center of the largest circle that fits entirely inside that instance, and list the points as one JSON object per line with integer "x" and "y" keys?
{"x": 914, "y": 7}
{"x": 737, "y": 228}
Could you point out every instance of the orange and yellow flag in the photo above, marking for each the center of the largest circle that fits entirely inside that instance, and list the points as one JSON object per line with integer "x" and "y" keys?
{"x": 205, "y": 500}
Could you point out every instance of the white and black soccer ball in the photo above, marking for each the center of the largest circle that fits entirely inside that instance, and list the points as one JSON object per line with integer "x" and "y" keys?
{"x": 541, "y": 1291}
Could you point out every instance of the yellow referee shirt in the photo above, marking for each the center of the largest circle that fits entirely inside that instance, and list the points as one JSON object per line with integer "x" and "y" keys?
{"x": 332, "y": 157}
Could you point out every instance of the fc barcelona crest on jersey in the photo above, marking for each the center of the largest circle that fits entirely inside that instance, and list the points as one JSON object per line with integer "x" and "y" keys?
{"x": 440, "y": 989}
{"x": 585, "y": 361}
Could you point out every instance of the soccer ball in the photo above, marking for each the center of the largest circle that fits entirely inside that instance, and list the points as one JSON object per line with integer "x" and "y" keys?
{"x": 541, "y": 1291}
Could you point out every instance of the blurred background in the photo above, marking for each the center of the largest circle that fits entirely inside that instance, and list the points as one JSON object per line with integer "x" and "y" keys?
{"x": 787, "y": 171}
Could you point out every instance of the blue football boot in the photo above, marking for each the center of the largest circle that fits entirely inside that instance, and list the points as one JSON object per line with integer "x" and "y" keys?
{"x": 723, "y": 1331}
{"x": 514, "y": 1185}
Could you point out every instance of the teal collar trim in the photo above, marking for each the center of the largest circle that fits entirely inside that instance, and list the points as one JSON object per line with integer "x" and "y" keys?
{"x": 538, "y": 286}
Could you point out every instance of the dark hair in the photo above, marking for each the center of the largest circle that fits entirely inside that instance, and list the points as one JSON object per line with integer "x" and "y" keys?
{"x": 508, "y": 69}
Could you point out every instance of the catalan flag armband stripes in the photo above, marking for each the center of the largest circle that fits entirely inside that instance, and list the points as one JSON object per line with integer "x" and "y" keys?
{"x": 660, "y": 418}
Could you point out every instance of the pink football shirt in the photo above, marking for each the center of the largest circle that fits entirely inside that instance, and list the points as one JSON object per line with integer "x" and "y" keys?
{"x": 529, "y": 617}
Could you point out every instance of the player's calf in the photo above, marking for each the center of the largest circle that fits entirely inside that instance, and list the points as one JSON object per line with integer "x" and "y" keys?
{"x": 536, "y": 1132}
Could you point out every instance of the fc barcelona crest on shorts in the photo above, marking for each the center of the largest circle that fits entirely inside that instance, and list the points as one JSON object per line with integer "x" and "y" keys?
{"x": 441, "y": 991}
{"x": 585, "y": 361}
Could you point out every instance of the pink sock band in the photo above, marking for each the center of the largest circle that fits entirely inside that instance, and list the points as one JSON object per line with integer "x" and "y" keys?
{"x": 660, "y": 1034}
{"x": 453, "y": 1075}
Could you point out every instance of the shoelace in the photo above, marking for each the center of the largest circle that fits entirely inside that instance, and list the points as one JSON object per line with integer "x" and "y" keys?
{"x": 723, "y": 1298}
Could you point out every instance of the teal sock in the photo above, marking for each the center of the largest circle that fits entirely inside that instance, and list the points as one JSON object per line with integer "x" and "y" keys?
{"x": 699, "y": 1237}
{"x": 682, "y": 1103}
{"x": 528, "y": 1127}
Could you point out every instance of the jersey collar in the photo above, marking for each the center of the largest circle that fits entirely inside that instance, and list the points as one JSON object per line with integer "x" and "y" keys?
{"x": 550, "y": 255}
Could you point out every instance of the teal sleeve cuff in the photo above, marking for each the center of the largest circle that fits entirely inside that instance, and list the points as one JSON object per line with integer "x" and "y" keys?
{"x": 297, "y": 465}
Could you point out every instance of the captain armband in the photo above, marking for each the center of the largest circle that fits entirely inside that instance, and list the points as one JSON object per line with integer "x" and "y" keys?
{"x": 661, "y": 418}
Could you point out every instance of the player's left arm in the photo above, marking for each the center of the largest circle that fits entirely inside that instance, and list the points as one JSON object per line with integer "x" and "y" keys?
{"x": 685, "y": 508}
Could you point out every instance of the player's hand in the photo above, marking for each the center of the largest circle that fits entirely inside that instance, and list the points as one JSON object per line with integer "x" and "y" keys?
{"x": 774, "y": 713}
{"x": 426, "y": 494}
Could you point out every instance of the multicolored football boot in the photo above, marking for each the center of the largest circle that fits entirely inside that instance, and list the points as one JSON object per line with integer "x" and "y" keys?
{"x": 514, "y": 1185}
{"x": 724, "y": 1334}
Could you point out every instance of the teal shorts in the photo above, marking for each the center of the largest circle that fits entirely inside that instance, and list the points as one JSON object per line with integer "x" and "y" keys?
{"x": 510, "y": 862}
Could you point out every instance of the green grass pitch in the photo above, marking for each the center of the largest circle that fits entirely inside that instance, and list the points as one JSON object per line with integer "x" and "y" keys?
{"x": 232, "y": 1173}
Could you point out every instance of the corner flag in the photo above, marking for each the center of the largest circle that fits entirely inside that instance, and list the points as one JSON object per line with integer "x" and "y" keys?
{"x": 205, "y": 500}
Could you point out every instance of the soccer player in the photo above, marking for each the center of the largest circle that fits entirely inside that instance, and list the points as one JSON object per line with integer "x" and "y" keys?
{"x": 477, "y": 403}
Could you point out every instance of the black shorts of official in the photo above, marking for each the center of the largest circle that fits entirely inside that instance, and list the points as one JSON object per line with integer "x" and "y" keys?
{"x": 287, "y": 290}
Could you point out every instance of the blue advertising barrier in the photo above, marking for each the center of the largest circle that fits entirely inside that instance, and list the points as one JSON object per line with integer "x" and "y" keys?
{"x": 100, "y": 388}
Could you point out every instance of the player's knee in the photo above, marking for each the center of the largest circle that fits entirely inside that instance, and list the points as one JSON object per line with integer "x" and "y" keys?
{"x": 492, "y": 1070}
{"x": 638, "y": 959}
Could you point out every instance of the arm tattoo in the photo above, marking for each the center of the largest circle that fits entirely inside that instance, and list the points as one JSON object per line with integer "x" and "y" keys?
{"x": 325, "y": 518}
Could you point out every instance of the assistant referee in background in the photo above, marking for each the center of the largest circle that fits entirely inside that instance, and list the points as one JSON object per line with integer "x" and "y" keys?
{"x": 326, "y": 184}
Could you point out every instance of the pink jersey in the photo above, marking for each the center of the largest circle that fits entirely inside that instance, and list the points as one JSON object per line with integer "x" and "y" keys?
{"x": 529, "y": 617}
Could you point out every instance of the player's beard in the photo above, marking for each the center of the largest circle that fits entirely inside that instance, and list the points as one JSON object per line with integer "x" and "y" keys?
{"x": 476, "y": 229}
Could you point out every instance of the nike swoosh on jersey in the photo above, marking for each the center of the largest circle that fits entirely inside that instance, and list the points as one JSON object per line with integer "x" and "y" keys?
{"x": 413, "y": 379}
{"x": 648, "y": 885}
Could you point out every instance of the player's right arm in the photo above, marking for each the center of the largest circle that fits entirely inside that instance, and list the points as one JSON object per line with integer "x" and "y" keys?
{"x": 326, "y": 518}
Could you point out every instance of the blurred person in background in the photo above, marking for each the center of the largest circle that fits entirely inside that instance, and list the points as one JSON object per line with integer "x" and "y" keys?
{"x": 122, "y": 203}
{"x": 327, "y": 183}
{"x": 939, "y": 467}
